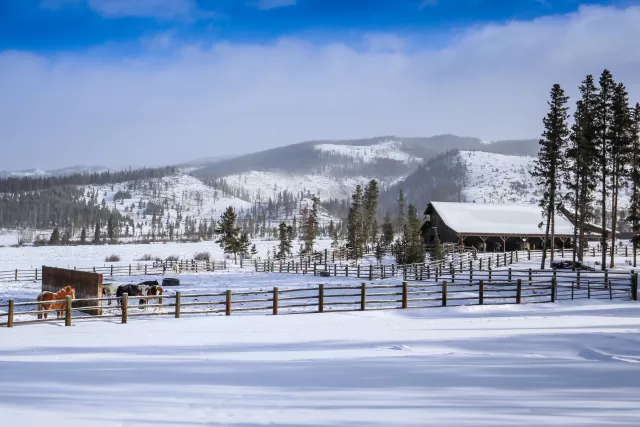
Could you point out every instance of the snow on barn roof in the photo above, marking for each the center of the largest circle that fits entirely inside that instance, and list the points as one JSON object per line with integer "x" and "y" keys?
{"x": 503, "y": 219}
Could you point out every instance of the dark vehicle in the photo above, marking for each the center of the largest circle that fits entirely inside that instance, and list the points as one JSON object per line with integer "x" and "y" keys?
{"x": 569, "y": 265}
{"x": 168, "y": 281}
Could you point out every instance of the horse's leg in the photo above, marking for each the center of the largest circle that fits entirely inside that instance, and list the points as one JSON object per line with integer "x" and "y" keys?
{"x": 40, "y": 308}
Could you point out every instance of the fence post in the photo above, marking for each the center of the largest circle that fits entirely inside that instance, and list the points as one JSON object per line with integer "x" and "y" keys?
{"x": 111, "y": 270}
{"x": 481, "y": 292}
{"x": 511, "y": 260}
{"x": 145, "y": 269}
{"x": 480, "y": 264}
{"x": 320, "y": 298}
{"x": 335, "y": 270}
{"x": 129, "y": 269}
{"x": 370, "y": 272}
{"x": 509, "y": 274}
{"x": 346, "y": 270}
{"x": 315, "y": 266}
{"x": 530, "y": 275}
{"x": 554, "y": 287}
{"x": 490, "y": 273}
{"x": 16, "y": 274}
{"x": 363, "y": 296}
{"x": 227, "y": 310}
{"x": 125, "y": 306}
{"x": 405, "y": 294}
{"x": 67, "y": 311}
{"x": 444, "y": 293}
{"x": 36, "y": 274}
{"x": 578, "y": 280}
{"x": 504, "y": 262}
{"x": 519, "y": 292}
{"x": 275, "y": 301}
{"x": 529, "y": 254}
{"x": 177, "y": 305}
{"x": 606, "y": 278}
{"x": 634, "y": 286}
{"x": 516, "y": 257}
{"x": 10, "y": 317}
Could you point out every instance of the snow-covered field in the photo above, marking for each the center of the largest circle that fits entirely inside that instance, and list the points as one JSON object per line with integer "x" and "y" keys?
{"x": 565, "y": 364}
{"x": 29, "y": 257}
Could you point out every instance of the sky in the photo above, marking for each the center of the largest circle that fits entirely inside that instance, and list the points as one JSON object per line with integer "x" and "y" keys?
{"x": 155, "y": 82}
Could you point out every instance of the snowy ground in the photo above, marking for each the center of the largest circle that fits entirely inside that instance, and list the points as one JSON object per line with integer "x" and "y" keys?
{"x": 29, "y": 257}
{"x": 553, "y": 365}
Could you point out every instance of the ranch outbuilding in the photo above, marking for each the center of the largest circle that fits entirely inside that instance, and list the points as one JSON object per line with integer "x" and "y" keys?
{"x": 491, "y": 227}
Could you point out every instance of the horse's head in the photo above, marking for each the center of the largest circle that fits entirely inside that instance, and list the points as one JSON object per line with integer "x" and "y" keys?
{"x": 70, "y": 290}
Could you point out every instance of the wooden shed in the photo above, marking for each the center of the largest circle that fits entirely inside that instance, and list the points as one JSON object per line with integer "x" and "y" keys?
{"x": 87, "y": 285}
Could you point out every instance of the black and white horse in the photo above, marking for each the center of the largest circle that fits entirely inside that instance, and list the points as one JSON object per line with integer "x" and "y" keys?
{"x": 130, "y": 290}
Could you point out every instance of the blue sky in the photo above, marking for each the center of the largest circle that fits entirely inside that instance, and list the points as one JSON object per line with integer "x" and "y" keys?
{"x": 143, "y": 77}
{"x": 53, "y": 25}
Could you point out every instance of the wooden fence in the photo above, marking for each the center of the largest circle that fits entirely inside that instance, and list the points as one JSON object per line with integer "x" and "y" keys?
{"x": 332, "y": 298}
{"x": 140, "y": 269}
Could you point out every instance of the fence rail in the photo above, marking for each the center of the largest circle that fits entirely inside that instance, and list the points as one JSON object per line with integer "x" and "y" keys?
{"x": 332, "y": 298}
{"x": 139, "y": 269}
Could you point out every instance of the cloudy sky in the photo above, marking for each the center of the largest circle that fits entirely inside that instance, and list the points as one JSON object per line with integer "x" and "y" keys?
{"x": 150, "y": 82}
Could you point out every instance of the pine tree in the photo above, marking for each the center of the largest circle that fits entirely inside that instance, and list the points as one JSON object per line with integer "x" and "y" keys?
{"x": 83, "y": 236}
{"x": 284, "y": 247}
{"x": 55, "y": 237}
{"x": 370, "y": 206}
{"x": 604, "y": 118}
{"x": 387, "y": 231}
{"x": 228, "y": 233}
{"x": 401, "y": 216}
{"x": 254, "y": 250}
{"x": 414, "y": 239}
{"x": 634, "y": 168}
{"x": 581, "y": 165}
{"x": 96, "y": 235}
{"x": 243, "y": 244}
{"x": 437, "y": 251}
{"x": 620, "y": 155}
{"x": 549, "y": 164}
{"x": 355, "y": 229}
{"x": 111, "y": 230}
{"x": 311, "y": 226}
{"x": 379, "y": 252}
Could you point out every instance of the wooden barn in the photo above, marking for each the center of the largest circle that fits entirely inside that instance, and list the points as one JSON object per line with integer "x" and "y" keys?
{"x": 491, "y": 227}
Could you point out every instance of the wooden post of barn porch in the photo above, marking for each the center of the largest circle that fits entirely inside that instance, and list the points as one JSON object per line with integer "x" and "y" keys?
{"x": 125, "y": 307}
{"x": 67, "y": 311}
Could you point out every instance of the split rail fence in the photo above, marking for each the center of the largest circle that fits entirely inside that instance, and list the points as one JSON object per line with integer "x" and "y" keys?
{"x": 335, "y": 298}
{"x": 155, "y": 268}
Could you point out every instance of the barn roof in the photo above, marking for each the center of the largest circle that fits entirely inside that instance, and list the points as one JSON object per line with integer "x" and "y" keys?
{"x": 497, "y": 219}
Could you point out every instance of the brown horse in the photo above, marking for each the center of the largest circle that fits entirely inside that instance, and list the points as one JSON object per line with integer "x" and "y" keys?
{"x": 156, "y": 291}
{"x": 55, "y": 301}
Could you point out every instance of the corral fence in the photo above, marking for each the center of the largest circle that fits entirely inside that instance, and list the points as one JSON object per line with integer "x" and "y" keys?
{"x": 453, "y": 262}
{"x": 335, "y": 298}
{"x": 114, "y": 270}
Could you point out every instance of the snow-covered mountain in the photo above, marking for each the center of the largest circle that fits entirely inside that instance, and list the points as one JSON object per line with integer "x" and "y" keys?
{"x": 35, "y": 173}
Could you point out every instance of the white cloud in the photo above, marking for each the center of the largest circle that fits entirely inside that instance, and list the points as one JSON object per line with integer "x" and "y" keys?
{"x": 272, "y": 4}
{"x": 195, "y": 101}
{"x": 158, "y": 9}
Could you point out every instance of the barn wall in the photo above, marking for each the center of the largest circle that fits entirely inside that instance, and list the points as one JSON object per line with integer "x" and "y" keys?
{"x": 87, "y": 285}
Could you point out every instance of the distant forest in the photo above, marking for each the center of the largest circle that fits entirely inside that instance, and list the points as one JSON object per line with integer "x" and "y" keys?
{"x": 58, "y": 202}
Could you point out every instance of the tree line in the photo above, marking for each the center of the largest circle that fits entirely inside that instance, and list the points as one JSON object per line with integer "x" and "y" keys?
{"x": 585, "y": 163}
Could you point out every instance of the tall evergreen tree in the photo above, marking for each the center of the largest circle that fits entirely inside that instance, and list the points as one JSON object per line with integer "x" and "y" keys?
{"x": 311, "y": 225}
{"x": 96, "y": 234}
{"x": 355, "y": 228}
{"x": 414, "y": 239}
{"x": 228, "y": 233}
{"x": 370, "y": 206}
{"x": 604, "y": 118}
{"x": 83, "y": 236}
{"x": 111, "y": 229}
{"x": 548, "y": 166}
{"x": 437, "y": 251}
{"x": 581, "y": 165}
{"x": 387, "y": 231}
{"x": 634, "y": 168}
{"x": 284, "y": 247}
{"x": 401, "y": 214}
{"x": 620, "y": 155}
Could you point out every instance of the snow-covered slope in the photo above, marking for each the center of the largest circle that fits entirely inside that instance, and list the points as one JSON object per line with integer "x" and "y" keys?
{"x": 391, "y": 150}
{"x": 496, "y": 178}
